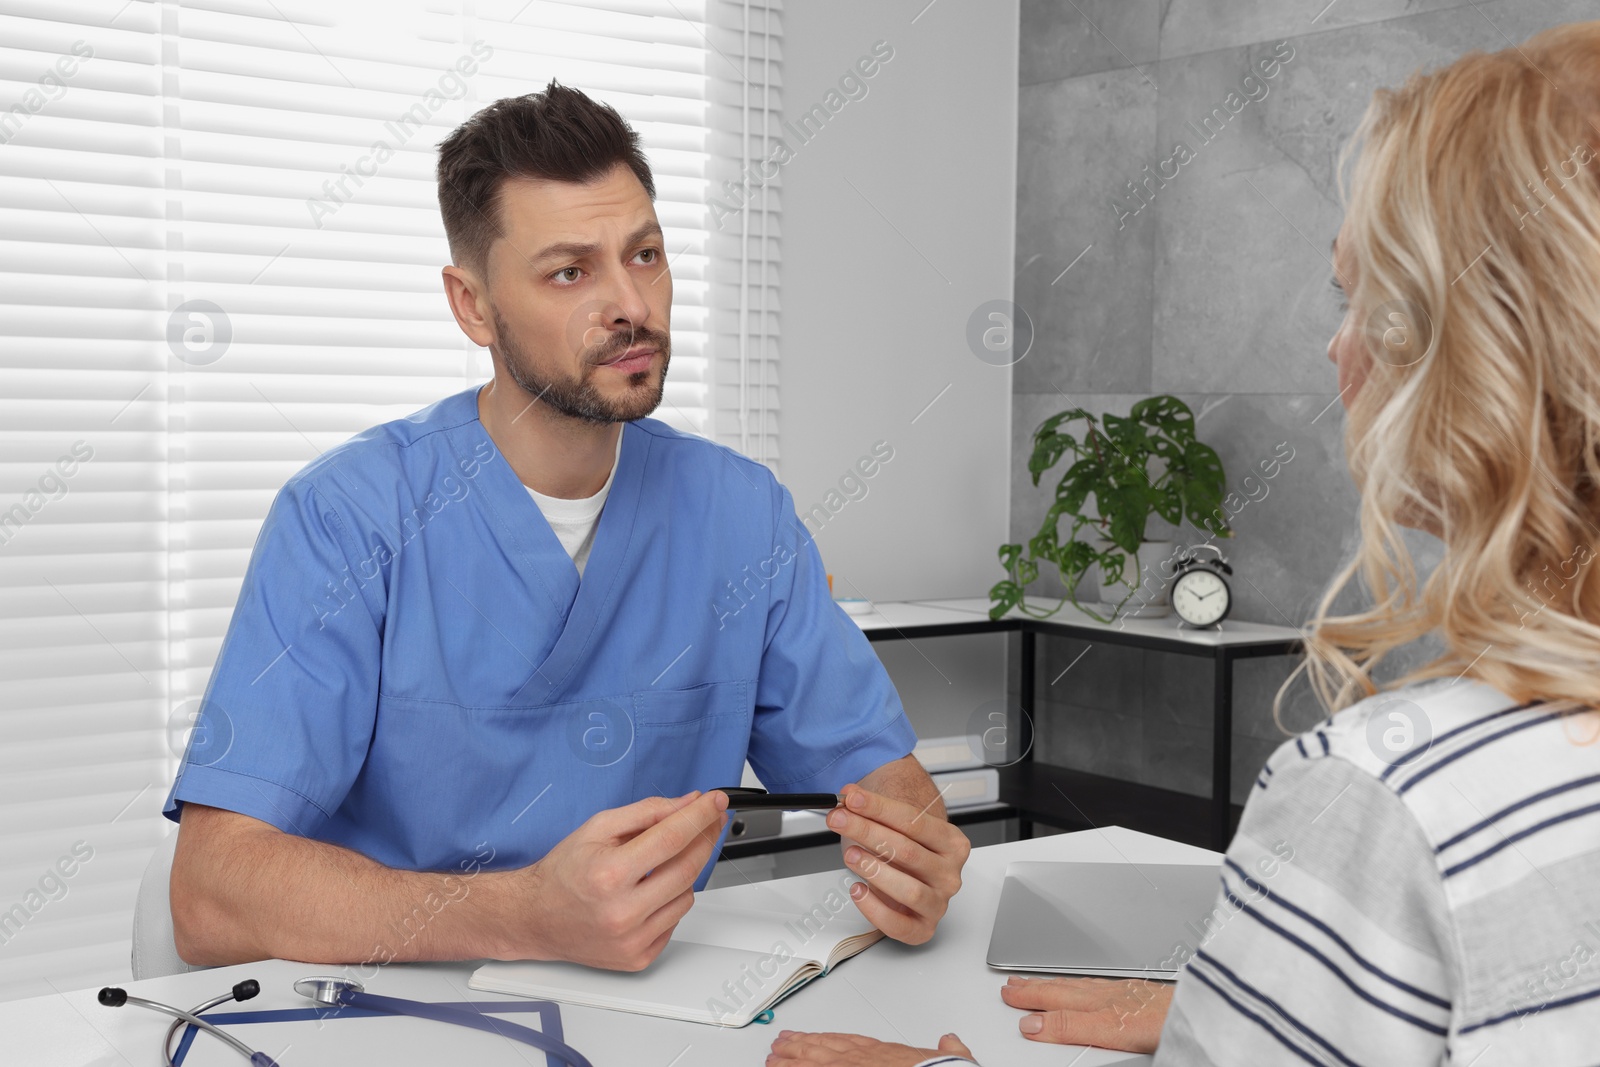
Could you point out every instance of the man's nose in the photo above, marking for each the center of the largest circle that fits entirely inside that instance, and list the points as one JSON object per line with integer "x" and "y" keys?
{"x": 625, "y": 306}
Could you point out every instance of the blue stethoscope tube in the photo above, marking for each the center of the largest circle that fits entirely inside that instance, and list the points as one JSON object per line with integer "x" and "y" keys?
{"x": 341, "y": 992}
{"x": 346, "y": 992}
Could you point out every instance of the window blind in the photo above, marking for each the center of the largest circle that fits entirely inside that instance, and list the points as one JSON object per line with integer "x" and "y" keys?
{"x": 220, "y": 249}
{"x": 745, "y": 211}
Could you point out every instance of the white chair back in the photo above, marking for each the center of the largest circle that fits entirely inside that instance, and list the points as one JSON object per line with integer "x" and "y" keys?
{"x": 155, "y": 954}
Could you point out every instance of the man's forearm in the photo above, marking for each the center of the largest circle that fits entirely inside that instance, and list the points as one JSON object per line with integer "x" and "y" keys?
{"x": 243, "y": 890}
{"x": 905, "y": 779}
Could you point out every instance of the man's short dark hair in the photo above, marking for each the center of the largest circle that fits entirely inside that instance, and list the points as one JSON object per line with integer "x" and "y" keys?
{"x": 558, "y": 135}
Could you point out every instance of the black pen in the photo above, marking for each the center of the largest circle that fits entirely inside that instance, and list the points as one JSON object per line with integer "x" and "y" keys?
{"x": 748, "y": 798}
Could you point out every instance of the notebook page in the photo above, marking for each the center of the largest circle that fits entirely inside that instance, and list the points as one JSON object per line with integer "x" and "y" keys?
{"x": 811, "y": 915}
{"x": 749, "y": 931}
{"x": 693, "y": 982}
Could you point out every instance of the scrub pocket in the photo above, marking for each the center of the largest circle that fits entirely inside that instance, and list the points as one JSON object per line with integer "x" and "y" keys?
{"x": 693, "y": 738}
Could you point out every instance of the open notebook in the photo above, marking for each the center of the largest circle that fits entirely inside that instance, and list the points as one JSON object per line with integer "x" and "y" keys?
{"x": 736, "y": 954}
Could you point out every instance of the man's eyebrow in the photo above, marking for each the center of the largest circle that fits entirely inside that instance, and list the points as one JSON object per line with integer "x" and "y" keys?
{"x": 580, "y": 249}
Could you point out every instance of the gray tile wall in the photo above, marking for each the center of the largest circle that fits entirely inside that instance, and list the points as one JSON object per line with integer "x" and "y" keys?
{"x": 1211, "y": 285}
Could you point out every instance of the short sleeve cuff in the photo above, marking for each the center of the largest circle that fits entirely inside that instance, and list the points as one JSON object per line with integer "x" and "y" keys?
{"x": 256, "y": 797}
{"x": 895, "y": 740}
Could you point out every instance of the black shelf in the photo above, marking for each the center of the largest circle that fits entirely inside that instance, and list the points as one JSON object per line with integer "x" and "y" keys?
{"x": 981, "y": 624}
{"x": 1111, "y": 800}
{"x": 1077, "y": 800}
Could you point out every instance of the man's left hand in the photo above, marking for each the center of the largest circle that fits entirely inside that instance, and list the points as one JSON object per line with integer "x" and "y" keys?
{"x": 911, "y": 858}
{"x": 850, "y": 1050}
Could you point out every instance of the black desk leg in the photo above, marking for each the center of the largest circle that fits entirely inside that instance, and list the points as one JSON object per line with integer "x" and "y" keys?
{"x": 1029, "y": 733}
{"x": 1221, "y": 745}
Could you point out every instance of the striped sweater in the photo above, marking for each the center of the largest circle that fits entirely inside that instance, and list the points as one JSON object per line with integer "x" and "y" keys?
{"x": 1416, "y": 881}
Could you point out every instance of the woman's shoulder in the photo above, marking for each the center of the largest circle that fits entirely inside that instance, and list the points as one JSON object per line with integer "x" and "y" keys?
{"x": 1460, "y": 824}
{"x": 1406, "y": 736}
{"x": 1398, "y": 733}
{"x": 1461, "y": 756}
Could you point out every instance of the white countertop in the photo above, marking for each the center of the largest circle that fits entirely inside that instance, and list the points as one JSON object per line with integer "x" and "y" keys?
{"x": 892, "y": 991}
{"x": 905, "y": 614}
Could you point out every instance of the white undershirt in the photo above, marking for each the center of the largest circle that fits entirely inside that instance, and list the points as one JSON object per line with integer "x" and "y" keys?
{"x": 573, "y": 521}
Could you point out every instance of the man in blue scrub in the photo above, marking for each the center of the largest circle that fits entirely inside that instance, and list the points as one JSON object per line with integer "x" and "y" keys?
{"x": 491, "y": 661}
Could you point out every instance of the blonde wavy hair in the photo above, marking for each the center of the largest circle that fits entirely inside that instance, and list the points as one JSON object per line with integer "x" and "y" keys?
{"x": 1473, "y": 227}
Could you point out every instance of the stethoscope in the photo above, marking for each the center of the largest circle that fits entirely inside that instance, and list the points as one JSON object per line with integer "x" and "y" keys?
{"x": 338, "y": 993}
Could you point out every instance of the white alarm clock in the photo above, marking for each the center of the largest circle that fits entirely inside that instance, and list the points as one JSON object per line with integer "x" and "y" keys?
{"x": 1200, "y": 594}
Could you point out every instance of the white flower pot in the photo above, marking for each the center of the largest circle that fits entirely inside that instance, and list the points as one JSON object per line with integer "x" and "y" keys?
{"x": 1147, "y": 577}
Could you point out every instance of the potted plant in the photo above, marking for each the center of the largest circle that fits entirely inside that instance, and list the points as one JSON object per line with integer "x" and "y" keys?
{"x": 1111, "y": 463}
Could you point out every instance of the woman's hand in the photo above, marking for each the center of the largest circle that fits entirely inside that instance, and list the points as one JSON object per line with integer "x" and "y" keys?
{"x": 1118, "y": 1014}
{"x": 1124, "y": 1014}
{"x": 851, "y": 1050}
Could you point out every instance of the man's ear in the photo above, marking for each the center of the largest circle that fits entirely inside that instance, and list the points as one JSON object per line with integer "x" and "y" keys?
{"x": 469, "y": 303}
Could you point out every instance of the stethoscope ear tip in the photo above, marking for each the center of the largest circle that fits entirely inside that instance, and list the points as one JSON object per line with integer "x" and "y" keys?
{"x": 112, "y": 997}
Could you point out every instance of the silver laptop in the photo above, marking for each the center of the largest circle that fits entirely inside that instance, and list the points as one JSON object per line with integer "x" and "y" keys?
{"x": 1117, "y": 920}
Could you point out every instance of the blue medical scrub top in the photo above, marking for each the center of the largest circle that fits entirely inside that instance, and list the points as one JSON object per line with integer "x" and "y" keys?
{"x": 414, "y": 670}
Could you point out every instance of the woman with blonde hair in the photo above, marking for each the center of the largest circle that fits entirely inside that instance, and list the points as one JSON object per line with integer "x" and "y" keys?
{"x": 1434, "y": 846}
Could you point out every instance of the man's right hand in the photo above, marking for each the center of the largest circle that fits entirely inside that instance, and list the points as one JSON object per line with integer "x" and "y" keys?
{"x": 608, "y": 895}
{"x": 611, "y": 892}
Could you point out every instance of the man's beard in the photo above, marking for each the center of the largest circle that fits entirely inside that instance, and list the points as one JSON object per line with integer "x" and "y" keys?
{"x": 577, "y": 397}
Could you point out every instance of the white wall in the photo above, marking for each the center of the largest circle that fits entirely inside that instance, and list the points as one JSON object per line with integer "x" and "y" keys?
{"x": 923, "y": 166}
{"x": 898, "y": 221}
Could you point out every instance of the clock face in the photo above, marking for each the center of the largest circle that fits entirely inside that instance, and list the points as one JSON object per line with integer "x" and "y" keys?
{"x": 1201, "y": 597}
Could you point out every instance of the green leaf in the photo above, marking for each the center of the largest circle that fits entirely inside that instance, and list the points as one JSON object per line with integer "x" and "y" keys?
{"x": 1080, "y": 480}
{"x": 1204, "y": 465}
{"x": 1074, "y": 558}
{"x": 1126, "y": 477}
{"x": 1042, "y": 545}
{"x": 1111, "y": 562}
{"x": 1168, "y": 449}
{"x": 1005, "y": 595}
{"x": 1054, "y": 422}
{"x": 1127, "y": 508}
{"x": 1168, "y": 503}
{"x": 1168, "y": 413}
{"x": 1127, "y": 442}
{"x": 1047, "y": 449}
{"x": 1203, "y": 485}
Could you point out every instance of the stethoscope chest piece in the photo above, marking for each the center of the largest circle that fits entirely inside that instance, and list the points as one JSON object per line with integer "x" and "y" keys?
{"x": 326, "y": 989}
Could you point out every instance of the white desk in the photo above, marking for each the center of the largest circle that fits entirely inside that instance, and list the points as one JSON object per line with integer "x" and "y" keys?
{"x": 923, "y": 614}
{"x": 892, "y": 991}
